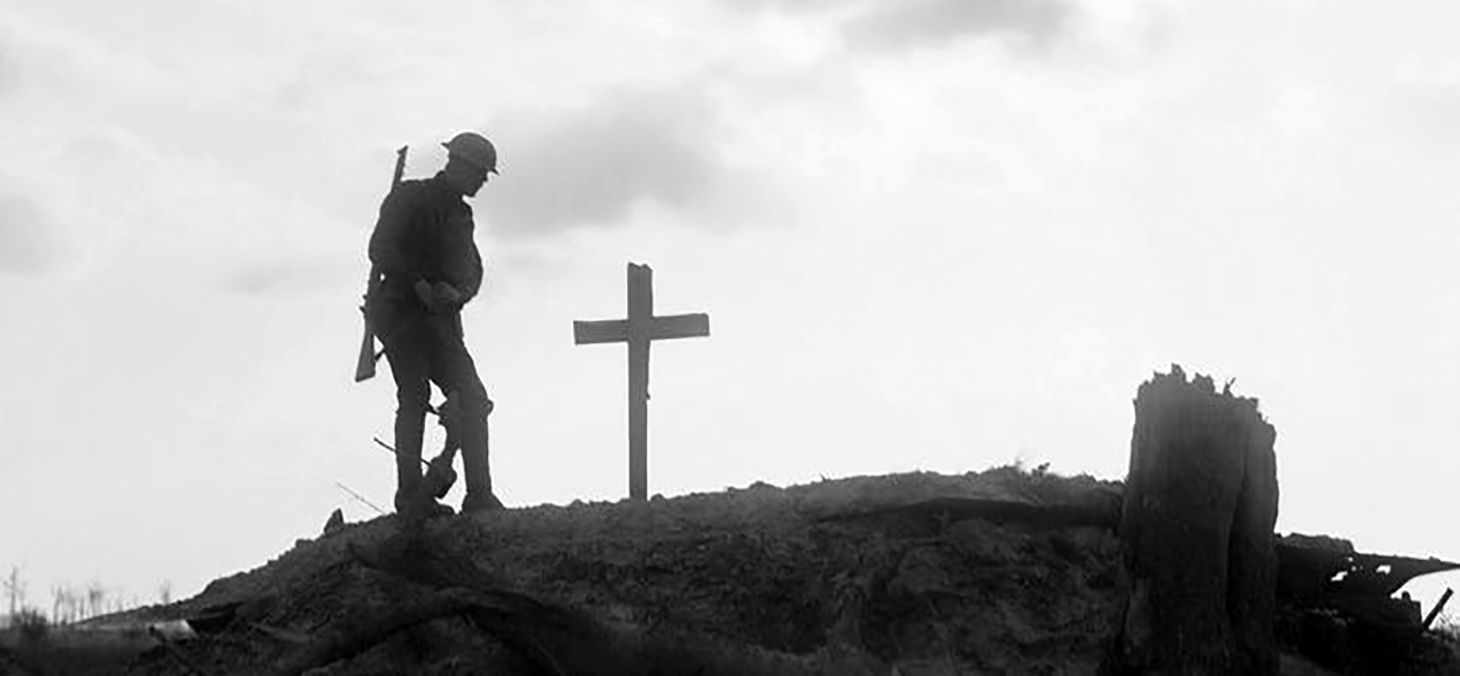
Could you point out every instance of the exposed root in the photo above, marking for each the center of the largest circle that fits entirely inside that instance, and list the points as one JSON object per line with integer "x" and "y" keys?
{"x": 555, "y": 641}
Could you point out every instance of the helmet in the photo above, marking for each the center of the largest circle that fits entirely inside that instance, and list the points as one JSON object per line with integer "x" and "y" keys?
{"x": 473, "y": 148}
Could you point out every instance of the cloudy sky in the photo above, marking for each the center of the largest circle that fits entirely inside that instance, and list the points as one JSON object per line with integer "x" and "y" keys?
{"x": 930, "y": 235}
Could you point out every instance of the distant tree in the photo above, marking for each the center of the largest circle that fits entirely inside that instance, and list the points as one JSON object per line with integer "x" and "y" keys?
{"x": 75, "y": 607}
{"x": 58, "y": 602}
{"x": 63, "y": 603}
{"x": 119, "y": 600}
{"x": 96, "y": 599}
{"x": 164, "y": 592}
{"x": 32, "y": 623}
{"x": 15, "y": 589}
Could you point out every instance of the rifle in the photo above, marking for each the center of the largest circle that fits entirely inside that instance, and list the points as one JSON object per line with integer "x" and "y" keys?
{"x": 365, "y": 362}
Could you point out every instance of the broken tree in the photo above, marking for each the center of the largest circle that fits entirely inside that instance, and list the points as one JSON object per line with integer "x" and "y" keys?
{"x": 1197, "y": 526}
{"x": 638, "y": 331}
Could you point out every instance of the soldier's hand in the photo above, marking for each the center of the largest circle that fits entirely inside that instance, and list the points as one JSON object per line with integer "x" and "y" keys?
{"x": 438, "y": 297}
{"x": 427, "y": 294}
{"x": 447, "y": 293}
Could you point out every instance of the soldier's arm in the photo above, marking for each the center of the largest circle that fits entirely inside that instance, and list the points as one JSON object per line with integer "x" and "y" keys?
{"x": 387, "y": 242}
{"x": 472, "y": 280}
{"x": 462, "y": 262}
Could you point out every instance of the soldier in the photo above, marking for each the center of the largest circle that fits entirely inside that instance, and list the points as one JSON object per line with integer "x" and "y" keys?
{"x": 430, "y": 267}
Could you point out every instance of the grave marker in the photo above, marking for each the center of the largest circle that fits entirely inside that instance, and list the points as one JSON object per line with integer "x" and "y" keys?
{"x": 639, "y": 330}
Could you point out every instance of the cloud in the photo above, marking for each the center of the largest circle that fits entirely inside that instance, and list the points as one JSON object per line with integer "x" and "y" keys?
{"x": 913, "y": 23}
{"x": 8, "y": 70}
{"x": 31, "y": 241}
{"x": 295, "y": 276}
{"x": 1422, "y": 115}
{"x": 786, "y": 5}
{"x": 593, "y": 166}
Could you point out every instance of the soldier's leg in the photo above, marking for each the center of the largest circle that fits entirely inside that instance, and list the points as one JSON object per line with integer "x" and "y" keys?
{"x": 455, "y": 371}
{"x": 410, "y": 365}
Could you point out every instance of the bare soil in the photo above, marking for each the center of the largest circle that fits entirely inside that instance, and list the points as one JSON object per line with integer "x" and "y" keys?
{"x": 860, "y": 575}
{"x": 1001, "y": 572}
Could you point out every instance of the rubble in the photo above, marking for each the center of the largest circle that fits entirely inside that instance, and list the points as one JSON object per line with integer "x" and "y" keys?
{"x": 850, "y": 576}
{"x": 1007, "y": 571}
{"x": 1338, "y": 606}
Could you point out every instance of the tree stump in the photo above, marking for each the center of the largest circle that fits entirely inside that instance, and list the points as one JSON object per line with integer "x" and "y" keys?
{"x": 1196, "y": 526}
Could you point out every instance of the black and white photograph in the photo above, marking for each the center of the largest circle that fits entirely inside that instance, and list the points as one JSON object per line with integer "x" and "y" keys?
{"x": 729, "y": 338}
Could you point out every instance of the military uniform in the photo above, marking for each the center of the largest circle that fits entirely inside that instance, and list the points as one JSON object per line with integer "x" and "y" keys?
{"x": 425, "y": 233}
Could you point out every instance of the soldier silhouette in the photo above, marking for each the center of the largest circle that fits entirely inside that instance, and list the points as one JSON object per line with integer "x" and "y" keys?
{"x": 430, "y": 268}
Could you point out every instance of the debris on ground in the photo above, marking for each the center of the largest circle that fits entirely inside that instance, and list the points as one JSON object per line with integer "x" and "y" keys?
{"x": 1004, "y": 571}
{"x": 1338, "y": 606}
{"x": 1007, "y": 571}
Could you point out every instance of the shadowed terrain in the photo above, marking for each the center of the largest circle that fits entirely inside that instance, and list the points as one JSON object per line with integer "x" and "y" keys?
{"x": 1006, "y": 571}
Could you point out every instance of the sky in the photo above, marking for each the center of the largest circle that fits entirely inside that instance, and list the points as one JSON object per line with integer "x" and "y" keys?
{"x": 937, "y": 235}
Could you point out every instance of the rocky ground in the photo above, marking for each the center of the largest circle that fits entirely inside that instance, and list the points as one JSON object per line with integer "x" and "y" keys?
{"x": 830, "y": 577}
{"x": 1001, "y": 572}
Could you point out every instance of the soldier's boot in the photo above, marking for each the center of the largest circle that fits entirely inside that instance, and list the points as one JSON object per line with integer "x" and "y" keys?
{"x": 474, "y": 461}
{"x": 410, "y": 498}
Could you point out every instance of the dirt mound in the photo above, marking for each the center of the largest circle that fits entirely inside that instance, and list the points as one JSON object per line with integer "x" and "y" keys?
{"x": 924, "y": 572}
{"x": 10, "y": 665}
{"x": 1005, "y": 571}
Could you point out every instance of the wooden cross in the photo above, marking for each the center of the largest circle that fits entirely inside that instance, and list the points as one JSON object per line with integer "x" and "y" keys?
{"x": 638, "y": 331}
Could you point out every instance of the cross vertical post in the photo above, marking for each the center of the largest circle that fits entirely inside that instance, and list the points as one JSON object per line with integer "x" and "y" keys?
{"x": 641, "y": 312}
{"x": 639, "y": 329}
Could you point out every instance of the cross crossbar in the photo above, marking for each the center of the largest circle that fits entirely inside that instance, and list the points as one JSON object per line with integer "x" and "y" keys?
{"x": 617, "y": 330}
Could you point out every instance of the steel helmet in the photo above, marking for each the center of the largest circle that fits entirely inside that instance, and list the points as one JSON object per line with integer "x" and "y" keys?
{"x": 473, "y": 148}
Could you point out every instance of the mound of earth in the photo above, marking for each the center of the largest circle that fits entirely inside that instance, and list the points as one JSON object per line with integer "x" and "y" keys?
{"x": 1003, "y": 571}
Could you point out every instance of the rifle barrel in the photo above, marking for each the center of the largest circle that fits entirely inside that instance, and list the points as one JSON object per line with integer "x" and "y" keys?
{"x": 391, "y": 449}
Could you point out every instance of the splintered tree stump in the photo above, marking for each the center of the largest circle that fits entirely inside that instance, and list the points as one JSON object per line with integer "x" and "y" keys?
{"x": 1196, "y": 526}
